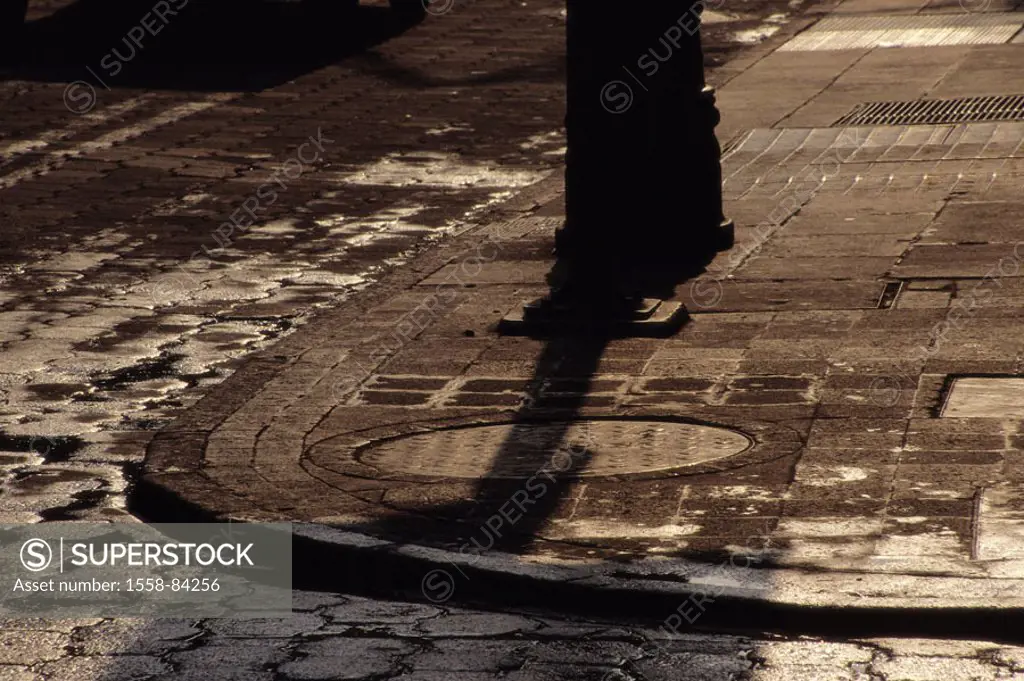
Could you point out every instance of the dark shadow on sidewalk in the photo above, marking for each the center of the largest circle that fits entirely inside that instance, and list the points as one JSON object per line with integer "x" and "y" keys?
{"x": 219, "y": 45}
{"x": 539, "y": 463}
{"x": 548, "y": 71}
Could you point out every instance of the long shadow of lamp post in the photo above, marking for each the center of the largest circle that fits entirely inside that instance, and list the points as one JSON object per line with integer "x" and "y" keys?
{"x": 643, "y": 213}
{"x": 643, "y": 171}
{"x": 643, "y": 210}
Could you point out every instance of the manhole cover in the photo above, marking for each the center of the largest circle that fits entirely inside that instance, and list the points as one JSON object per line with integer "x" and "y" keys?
{"x": 586, "y": 448}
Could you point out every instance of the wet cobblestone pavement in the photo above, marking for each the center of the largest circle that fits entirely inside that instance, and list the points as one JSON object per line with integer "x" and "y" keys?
{"x": 152, "y": 241}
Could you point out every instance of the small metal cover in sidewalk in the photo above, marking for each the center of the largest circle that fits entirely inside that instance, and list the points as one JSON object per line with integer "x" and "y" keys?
{"x": 922, "y": 30}
{"x": 985, "y": 397}
{"x": 936, "y": 111}
{"x": 575, "y": 449}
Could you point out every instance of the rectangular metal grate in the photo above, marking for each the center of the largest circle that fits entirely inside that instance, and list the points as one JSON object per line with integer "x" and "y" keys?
{"x": 936, "y": 111}
{"x": 922, "y": 30}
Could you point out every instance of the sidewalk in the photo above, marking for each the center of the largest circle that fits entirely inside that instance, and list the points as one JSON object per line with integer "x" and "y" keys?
{"x": 837, "y": 425}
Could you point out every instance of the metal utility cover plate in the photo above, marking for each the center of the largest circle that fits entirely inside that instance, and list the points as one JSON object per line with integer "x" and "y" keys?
{"x": 580, "y": 448}
{"x": 985, "y": 398}
{"x": 858, "y": 33}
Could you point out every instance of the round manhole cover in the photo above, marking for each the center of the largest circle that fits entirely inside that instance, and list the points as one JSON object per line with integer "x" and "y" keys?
{"x": 584, "y": 448}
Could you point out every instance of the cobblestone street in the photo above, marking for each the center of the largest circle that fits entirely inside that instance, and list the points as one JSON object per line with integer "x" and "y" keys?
{"x": 150, "y": 242}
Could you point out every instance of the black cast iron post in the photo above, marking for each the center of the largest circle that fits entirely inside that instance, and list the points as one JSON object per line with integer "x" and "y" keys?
{"x": 643, "y": 166}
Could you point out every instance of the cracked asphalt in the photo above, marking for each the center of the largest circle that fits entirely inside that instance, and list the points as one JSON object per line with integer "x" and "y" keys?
{"x": 338, "y": 637}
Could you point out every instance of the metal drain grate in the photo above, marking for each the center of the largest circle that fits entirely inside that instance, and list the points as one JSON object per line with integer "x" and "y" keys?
{"x": 936, "y": 111}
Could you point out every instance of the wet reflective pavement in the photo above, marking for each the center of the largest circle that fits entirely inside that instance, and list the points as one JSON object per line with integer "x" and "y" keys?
{"x": 154, "y": 239}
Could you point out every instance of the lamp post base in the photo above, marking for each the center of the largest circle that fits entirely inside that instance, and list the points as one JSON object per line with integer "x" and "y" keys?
{"x": 624, "y": 316}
